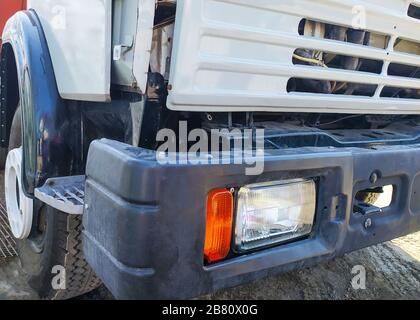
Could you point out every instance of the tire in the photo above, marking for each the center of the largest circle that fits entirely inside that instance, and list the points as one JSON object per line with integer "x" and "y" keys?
{"x": 368, "y": 197}
{"x": 3, "y": 156}
{"x": 55, "y": 242}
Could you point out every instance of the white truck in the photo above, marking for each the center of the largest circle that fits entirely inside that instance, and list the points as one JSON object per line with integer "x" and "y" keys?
{"x": 326, "y": 91}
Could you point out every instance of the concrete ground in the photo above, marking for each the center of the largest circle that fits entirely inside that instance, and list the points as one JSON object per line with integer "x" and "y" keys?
{"x": 392, "y": 272}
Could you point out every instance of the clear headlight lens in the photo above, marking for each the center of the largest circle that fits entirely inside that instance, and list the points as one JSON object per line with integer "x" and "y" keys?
{"x": 274, "y": 212}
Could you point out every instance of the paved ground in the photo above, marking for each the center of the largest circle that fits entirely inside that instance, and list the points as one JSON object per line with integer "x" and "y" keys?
{"x": 392, "y": 272}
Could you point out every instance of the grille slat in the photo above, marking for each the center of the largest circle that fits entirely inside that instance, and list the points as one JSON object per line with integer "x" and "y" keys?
{"x": 380, "y": 18}
{"x": 293, "y": 41}
{"x": 309, "y": 72}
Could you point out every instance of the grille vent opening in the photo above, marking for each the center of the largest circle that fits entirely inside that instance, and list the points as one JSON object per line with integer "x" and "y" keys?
{"x": 330, "y": 87}
{"x": 336, "y": 61}
{"x": 402, "y": 70}
{"x": 414, "y": 11}
{"x": 330, "y": 60}
{"x": 400, "y": 93}
{"x": 407, "y": 46}
{"x": 322, "y": 30}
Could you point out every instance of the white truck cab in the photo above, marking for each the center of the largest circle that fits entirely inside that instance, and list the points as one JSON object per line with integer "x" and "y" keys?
{"x": 129, "y": 129}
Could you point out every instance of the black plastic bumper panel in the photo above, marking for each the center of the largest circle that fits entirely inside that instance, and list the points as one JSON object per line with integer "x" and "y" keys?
{"x": 145, "y": 223}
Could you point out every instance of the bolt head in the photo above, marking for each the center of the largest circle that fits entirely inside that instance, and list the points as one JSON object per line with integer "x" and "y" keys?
{"x": 368, "y": 223}
{"x": 373, "y": 177}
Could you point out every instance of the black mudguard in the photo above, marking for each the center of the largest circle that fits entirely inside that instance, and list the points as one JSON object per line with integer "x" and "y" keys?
{"x": 44, "y": 113}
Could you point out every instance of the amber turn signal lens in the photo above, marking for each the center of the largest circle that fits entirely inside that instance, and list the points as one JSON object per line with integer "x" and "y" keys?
{"x": 219, "y": 225}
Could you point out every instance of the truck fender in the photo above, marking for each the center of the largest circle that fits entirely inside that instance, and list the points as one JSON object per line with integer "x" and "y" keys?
{"x": 25, "y": 53}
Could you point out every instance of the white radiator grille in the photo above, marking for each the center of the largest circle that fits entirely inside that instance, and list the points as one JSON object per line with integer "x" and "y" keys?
{"x": 236, "y": 55}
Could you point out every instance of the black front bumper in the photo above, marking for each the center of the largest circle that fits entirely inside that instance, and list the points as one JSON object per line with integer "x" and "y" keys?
{"x": 145, "y": 222}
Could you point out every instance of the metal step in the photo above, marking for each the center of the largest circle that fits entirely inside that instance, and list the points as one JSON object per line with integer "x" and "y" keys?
{"x": 66, "y": 194}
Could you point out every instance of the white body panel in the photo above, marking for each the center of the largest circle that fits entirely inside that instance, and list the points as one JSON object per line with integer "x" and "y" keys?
{"x": 78, "y": 34}
{"x": 132, "y": 41}
{"x": 143, "y": 42}
{"x": 236, "y": 55}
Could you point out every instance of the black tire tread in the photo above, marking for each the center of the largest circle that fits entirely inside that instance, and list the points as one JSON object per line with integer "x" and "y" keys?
{"x": 3, "y": 156}
{"x": 80, "y": 278}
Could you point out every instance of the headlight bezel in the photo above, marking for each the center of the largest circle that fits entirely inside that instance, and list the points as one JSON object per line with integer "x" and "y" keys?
{"x": 275, "y": 241}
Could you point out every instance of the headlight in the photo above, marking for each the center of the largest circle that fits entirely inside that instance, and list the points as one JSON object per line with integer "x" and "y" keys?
{"x": 275, "y": 212}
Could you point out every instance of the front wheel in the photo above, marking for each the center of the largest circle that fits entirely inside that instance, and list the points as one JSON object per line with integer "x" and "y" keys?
{"x": 3, "y": 155}
{"x": 51, "y": 250}
{"x": 54, "y": 261}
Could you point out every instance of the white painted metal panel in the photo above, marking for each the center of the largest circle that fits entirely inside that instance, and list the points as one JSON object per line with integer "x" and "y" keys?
{"x": 236, "y": 55}
{"x": 132, "y": 41}
{"x": 143, "y": 42}
{"x": 79, "y": 34}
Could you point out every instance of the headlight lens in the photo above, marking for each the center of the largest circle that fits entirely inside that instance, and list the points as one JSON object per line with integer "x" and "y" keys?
{"x": 274, "y": 212}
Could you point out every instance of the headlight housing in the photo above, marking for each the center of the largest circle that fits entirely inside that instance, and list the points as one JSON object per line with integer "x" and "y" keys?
{"x": 276, "y": 212}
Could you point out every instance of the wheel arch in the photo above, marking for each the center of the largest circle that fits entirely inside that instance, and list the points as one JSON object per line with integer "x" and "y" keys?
{"x": 9, "y": 93}
{"x": 25, "y": 54}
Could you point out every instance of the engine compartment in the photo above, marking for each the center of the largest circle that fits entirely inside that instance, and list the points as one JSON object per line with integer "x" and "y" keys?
{"x": 310, "y": 28}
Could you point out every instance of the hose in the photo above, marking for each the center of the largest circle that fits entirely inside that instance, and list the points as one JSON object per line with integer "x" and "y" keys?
{"x": 317, "y": 62}
{"x": 309, "y": 60}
